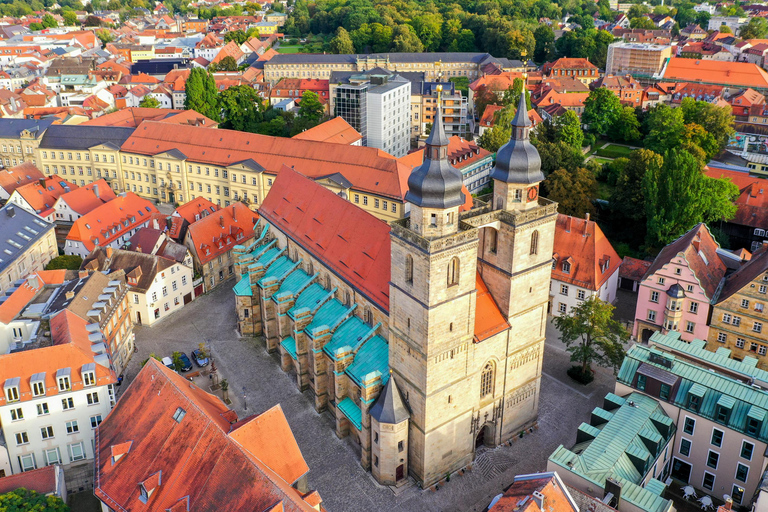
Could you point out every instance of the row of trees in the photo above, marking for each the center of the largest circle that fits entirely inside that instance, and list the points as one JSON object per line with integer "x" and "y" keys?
{"x": 241, "y": 108}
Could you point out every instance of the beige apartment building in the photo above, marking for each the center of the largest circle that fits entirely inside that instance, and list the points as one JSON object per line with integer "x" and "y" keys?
{"x": 19, "y": 138}
{"x": 433, "y": 65}
{"x": 27, "y": 244}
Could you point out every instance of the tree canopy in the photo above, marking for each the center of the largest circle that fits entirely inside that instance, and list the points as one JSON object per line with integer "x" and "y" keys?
{"x": 602, "y": 111}
{"x": 242, "y": 108}
{"x": 24, "y": 500}
{"x": 202, "y": 95}
{"x": 149, "y": 102}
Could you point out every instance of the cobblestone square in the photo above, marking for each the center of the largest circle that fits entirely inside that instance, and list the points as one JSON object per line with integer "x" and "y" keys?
{"x": 334, "y": 463}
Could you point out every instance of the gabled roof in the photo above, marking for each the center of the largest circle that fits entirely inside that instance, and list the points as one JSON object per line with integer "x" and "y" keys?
{"x": 42, "y": 480}
{"x": 187, "y": 441}
{"x": 369, "y": 169}
{"x": 73, "y": 137}
{"x": 519, "y": 496}
{"x": 15, "y": 177}
{"x": 734, "y": 74}
{"x": 592, "y": 258}
{"x": 752, "y": 203}
{"x": 461, "y": 153}
{"x": 42, "y": 195}
{"x": 133, "y": 117}
{"x": 217, "y": 233}
{"x": 335, "y": 130}
{"x": 89, "y": 197}
{"x": 142, "y": 267}
{"x": 633, "y": 268}
{"x": 750, "y": 271}
{"x": 709, "y": 270}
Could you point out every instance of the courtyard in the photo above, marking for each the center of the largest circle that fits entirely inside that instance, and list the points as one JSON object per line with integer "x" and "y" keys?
{"x": 256, "y": 383}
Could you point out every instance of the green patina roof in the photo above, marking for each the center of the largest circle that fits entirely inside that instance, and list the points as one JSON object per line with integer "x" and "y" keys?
{"x": 646, "y": 498}
{"x": 243, "y": 287}
{"x": 294, "y": 282}
{"x": 269, "y": 255}
{"x": 328, "y": 315}
{"x": 277, "y": 268}
{"x": 719, "y": 389}
{"x": 618, "y": 449}
{"x": 309, "y": 298}
{"x": 289, "y": 344}
{"x": 347, "y": 337}
{"x": 373, "y": 356}
{"x": 352, "y": 412}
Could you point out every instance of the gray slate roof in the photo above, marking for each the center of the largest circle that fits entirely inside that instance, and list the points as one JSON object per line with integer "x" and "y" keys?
{"x": 390, "y": 407}
{"x": 19, "y": 230}
{"x": 74, "y": 137}
{"x": 12, "y": 128}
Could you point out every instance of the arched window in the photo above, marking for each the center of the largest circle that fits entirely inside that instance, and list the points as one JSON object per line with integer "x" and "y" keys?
{"x": 409, "y": 269}
{"x": 535, "y": 242}
{"x": 492, "y": 239}
{"x": 453, "y": 272}
{"x": 486, "y": 380}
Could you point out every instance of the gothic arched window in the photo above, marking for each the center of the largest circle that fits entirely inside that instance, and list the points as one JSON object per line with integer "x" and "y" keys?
{"x": 453, "y": 272}
{"x": 535, "y": 242}
{"x": 409, "y": 269}
{"x": 486, "y": 380}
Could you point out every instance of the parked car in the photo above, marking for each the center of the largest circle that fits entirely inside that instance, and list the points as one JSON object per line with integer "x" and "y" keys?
{"x": 186, "y": 364}
{"x": 168, "y": 362}
{"x": 198, "y": 359}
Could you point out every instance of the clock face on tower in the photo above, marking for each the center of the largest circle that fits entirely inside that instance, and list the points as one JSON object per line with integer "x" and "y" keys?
{"x": 533, "y": 193}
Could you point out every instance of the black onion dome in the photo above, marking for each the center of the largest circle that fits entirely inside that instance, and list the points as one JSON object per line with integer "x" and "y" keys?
{"x": 518, "y": 161}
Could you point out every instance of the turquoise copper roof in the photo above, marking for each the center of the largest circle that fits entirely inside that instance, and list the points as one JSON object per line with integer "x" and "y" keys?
{"x": 309, "y": 298}
{"x": 277, "y": 268}
{"x": 347, "y": 337}
{"x": 372, "y": 357}
{"x": 289, "y": 344}
{"x": 328, "y": 315}
{"x": 693, "y": 368}
{"x": 622, "y": 444}
{"x": 350, "y": 409}
{"x": 269, "y": 255}
{"x": 294, "y": 282}
{"x": 243, "y": 287}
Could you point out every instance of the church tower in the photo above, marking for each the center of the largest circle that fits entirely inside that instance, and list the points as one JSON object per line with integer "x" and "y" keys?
{"x": 432, "y": 313}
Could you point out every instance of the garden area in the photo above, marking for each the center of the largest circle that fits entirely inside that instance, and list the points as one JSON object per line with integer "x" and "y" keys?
{"x": 610, "y": 150}
{"x": 312, "y": 44}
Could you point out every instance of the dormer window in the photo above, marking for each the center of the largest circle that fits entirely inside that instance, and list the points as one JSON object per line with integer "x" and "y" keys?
{"x": 63, "y": 379}
{"x": 120, "y": 450}
{"x": 38, "y": 384}
{"x": 89, "y": 374}
{"x": 179, "y": 415}
{"x": 11, "y": 389}
{"x": 148, "y": 486}
{"x": 567, "y": 267}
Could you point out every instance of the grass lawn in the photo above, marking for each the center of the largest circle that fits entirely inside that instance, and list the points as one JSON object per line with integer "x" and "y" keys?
{"x": 599, "y": 160}
{"x": 613, "y": 151}
{"x": 296, "y": 48}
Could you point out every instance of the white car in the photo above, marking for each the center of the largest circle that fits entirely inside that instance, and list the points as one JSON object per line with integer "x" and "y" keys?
{"x": 168, "y": 362}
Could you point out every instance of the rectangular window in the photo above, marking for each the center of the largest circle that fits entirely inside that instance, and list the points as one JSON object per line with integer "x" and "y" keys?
{"x": 742, "y": 472}
{"x": 722, "y": 337}
{"x": 89, "y": 379}
{"x": 737, "y": 494}
{"x": 726, "y": 318}
{"x": 746, "y": 450}
{"x": 76, "y": 451}
{"x": 664, "y": 392}
{"x": 713, "y": 458}
{"x": 72, "y": 427}
{"x": 709, "y": 481}
{"x": 693, "y": 307}
{"x": 744, "y": 303}
{"x": 685, "y": 447}
{"x": 689, "y": 326}
{"x": 17, "y": 414}
{"x": 27, "y": 462}
{"x": 689, "y": 426}
{"x": 42, "y": 409}
{"x": 64, "y": 384}
{"x": 717, "y": 437}
{"x": 651, "y": 315}
{"x": 739, "y": 342}
{"x": 93, "y": 398}
{"x": 12, "y": 393}
{"x": 21, "y": 438}
{"x": 563, "y": 289}
{"x": 641, "y": 382}
{"x": 46, "y": 432}
{"x": 655, "y": 297}
{"x": 52, "y": 456}
{"x": 580, "y": 294}
{"x": 757, "y": 327}
{"x": 95, "y": 421}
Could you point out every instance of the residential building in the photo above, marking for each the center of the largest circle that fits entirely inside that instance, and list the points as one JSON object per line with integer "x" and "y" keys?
{"x": 336, "y": 131}
{"x": 80, "y": 201}
{"x": 719, "y": 405}
{"x": 739, "y": 321}
{"x": 580, "y": 69}
{"x": 143, "y": 463}
{"x": 133, "y": 117}
{"x": 84, "y": 154}
{"x": 150, "y": 240}
{"x": 678, "y": 288}
{"x": 488, "y": 120}
{"x": 424, "y": 99}
{"x": 532, "y": 493}
{"x": 157, "y": 286}
{"x": 631, "y": 273}
{"x": 40, "y": 196}
{"x": 747, "y": 228}
{"x": 378, "y": 107}
{"x": 18, "y": 176}
{"x": 627, "y": 89}
{"x": 623, "y": 454}
{"x": 109, "y": 225}
{"x": 56, "y": 391}
{"x": 743, "y": 101}
{"x": 732, "y": 22}
{"x": 294, "y": 88}
{"x": 731, "y": 75}
{"x": 641, "y": 60}
{"x": 345, "y": 300}
{"x": 187, "y": 214}
{"x": 584, "y": 265}
{"x": 19, "y": 138}
{"x": 474, "y": 162}
{"x": 28, "y": 243}
{"x": 212, "y": 239}
{"x": 433, "y": 65}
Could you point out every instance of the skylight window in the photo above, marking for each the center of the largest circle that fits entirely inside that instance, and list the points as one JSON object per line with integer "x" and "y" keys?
{"x": 179, "y": 415}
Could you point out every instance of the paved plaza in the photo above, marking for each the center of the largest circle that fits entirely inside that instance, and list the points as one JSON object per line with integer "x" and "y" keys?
{"x": 334, "y": 463}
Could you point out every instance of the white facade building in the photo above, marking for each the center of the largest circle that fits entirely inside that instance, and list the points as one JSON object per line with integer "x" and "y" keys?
{"x": 389, "y": 116}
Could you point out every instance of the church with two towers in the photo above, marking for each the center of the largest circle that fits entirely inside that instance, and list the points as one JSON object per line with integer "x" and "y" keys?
{"x": 424, "y": 337}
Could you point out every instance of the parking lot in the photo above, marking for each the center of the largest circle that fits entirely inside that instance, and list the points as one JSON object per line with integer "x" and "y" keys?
{"x": 257, "y": 383}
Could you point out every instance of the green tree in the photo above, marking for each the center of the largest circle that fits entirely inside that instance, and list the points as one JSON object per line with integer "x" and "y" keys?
{"x": 176, "y": 363}
{"x": 228, "y": 63}
{"x": 105, "y": 36}
{"x": 568, "y": 129}
{"x": 406, "y": 40}
{"x": 627, "y": 127}
{"x": 49, "y": 21}
{"x": 342, "y": 43}
{"x": 696, "y": 134}
{"x": 70, "y": 18}
{"x": 559, "y": 155}
{"x": 149, "y": 102}
{"x": 602, "y": 110}
{"x": 757, "y": 28}
{"x": 24, "y": 500}
{"x": 573, "y": 190}
{"x": 678, "y": 195}
{"x": 34, "y": 26}
{"x": 310, "y": 107}
{"x": 592, "y": 335}
{"x": 665, "y": 128}
{"x": 512, "y": 95}
{"x": 717, "y": 121}
{"x": 238, "y": 36}
{"x": 65, "y": 262}
{"x": 642, "y": 22}
{"x": 242, "y": 108}
{"x": 202, "y": 95}
{"x": 545, "y": 44}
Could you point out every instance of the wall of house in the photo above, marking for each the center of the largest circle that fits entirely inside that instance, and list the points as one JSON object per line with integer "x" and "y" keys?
{"x": 152, "y": 306}
{"x": 33, "y": 259}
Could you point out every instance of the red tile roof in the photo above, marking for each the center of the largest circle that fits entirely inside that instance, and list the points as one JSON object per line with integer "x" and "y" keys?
{"x": 633, "y": 268}
{"x": 111, "y": 220}
{"x": 85, "y": 199}
{"x": 733, "y": 74}
{"x": 592, "y": 257}
{"x": 369, "y": 169}
{"x": 42, "y": 481}
{"x": 488, "y": 318}
{"x": 336, "y": 131}
{"x": 220, "y": 232}
{"x": 195, "y": 461}
{"x": 15, "y": 177}
{"x": 133, "y": 117}
{"x": 196, "y": 209}
{"x": 461, "y": 153}
{"x": 71, "y": 348}
{"x": 568, "y": 63}
{"x": 231, "y": 49}
{"x": 43, "y": 197}
{"x": 519, "y": 496}
{"x": 489, "y": 116}
{"x": 752, "y": 203}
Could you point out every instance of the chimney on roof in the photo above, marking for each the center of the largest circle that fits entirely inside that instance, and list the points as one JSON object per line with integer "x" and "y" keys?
{"x": 82, "y": 274}
{"x": 70, "y": 295}
{"x": 42, "y": 182}
{"x": 221, "y": 220}
{"x": 10, "y": 211}
{"x": 586, "y": 224}
{"x": 538, "y": 497}
{"x": 96, "y": 190}
{"x": 234, "y": 213}
{"x": 109, "y": 252}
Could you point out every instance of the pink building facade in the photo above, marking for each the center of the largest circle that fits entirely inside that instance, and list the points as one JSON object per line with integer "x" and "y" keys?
{"x": 676, "y": 292}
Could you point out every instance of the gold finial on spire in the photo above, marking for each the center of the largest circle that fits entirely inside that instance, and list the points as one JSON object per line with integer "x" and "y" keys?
{"x": 525, "y": 78}
{"x": 439, "y": 89}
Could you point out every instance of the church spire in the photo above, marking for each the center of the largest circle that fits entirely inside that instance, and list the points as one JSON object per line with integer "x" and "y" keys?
{"x": 435, "y": 183}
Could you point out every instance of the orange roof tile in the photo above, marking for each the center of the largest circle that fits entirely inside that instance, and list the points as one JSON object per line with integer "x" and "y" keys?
{"x": 734, "y": 74}
{"x": 71, "y": 348}
{"x": 15, "y": 177}
{"x": 592, "y": 257}
{"x": 219, "y": 232}
{"x": 41, "y": 480}
{"x": 41, "y": 197}
{"x": 89, "y": 197}
{"x": 519, "y": 496}
{"x": 231, "y": 49}
{"x": 488, "y": 318}
{"x": 336, "y": 131}
{"x": 461, "y": 153}
{"x": 200, "y": 464}
{"x": 111, "y": 220}
{"x": 134, "y": 116}
{"x": 196, "y": 209}
{"x": 633, "y": 268}
{"x": 369, "y": 169}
